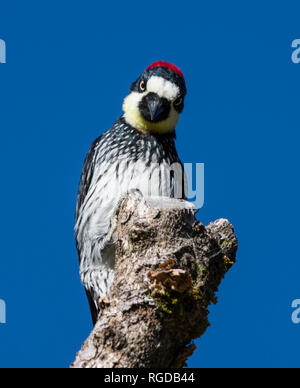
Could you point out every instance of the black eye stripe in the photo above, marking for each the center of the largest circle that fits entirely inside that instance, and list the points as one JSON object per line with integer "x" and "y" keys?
{"x": 178, "y": 104}
{"x": 178, "y": 101}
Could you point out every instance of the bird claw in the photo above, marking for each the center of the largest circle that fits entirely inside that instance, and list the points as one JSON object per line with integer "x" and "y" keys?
{"x": 109, "y": 243}
{"x": 102, "y": 302}
{"x": 136, "y": 194}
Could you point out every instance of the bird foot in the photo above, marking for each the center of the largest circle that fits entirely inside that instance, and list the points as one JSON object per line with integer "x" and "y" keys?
{"x": 136, "y": 194}
{"x": 102, "y": 302}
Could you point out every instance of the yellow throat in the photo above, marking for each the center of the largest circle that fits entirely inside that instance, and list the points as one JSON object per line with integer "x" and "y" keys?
{"x": 133, "y": 116}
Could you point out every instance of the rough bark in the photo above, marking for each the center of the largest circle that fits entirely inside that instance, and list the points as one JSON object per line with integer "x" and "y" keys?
{"x": 168, "y": 269}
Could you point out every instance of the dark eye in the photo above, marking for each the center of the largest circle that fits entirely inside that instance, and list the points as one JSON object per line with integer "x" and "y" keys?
{"x": 142, "y": 86}
{"x": 178, "y": 101}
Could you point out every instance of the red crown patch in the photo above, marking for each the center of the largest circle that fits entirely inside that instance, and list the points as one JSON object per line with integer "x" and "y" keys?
{"x": 167, "y": 65}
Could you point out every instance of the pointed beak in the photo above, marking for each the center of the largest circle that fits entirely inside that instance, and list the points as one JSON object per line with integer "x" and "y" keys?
{"x": 155, "y": 107}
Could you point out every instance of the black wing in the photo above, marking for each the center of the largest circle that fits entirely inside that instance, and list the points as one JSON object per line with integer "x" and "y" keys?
{"x": 84, "y": 185}
{"x": 86, "y": 176}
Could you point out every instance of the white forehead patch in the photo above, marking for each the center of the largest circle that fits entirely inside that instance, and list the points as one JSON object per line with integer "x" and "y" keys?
{"x": 163, "y": 88}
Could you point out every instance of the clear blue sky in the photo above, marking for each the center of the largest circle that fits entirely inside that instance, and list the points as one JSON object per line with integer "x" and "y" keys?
{"x": 69, "y": 66}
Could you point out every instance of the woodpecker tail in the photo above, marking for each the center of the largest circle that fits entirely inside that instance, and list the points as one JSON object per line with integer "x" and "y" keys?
{"x": 93, "y": 308}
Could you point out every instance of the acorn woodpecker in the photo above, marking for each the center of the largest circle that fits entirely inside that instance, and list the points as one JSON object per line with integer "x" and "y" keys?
{"x": 137, "y": 153}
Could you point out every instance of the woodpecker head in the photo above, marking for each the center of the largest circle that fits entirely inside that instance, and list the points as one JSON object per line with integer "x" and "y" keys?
{"x": 156, "y": 99}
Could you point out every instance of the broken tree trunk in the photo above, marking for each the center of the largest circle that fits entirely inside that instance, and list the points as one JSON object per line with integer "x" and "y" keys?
{"x": 167, "y": 271}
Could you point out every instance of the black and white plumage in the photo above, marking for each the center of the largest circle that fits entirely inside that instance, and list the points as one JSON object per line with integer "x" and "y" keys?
{"x": 138, "y": 152}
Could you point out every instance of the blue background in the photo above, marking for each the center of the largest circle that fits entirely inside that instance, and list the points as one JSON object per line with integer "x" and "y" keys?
{"x": 69, "y": 66}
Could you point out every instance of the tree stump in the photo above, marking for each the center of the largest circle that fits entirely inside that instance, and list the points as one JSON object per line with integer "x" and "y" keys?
{"x": 168, "y": 268}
